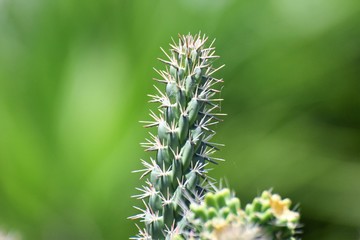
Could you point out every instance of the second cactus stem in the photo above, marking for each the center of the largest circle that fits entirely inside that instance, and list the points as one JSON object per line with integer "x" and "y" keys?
{"x": 188, "y": 108}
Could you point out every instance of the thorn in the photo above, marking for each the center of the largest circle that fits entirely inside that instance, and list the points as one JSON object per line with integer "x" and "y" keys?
{"x": 160, "y": 81}
{"x": 166, "y": 54}
{"x": 217, "y": 69}
{"x": 166, "y": 62}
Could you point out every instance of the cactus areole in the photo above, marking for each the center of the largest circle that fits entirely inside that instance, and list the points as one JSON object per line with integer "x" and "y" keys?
{"x": 188, "y": 107}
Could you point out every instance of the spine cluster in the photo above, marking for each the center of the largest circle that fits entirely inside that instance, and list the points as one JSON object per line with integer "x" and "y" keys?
{"x": 188, "y": 108}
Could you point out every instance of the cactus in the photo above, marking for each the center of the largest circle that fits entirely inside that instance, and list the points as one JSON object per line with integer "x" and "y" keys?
{"x": 177, "y": 174}
{"x": 180, "y": 200}
{"x": 219, "y": 217}
{"x": 273, "y": 213}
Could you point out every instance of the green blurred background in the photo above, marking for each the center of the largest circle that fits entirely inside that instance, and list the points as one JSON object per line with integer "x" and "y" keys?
{"x": 73, "y": 82}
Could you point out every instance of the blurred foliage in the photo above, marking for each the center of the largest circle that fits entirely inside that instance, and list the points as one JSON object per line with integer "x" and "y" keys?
{"x": 73, "y": 82}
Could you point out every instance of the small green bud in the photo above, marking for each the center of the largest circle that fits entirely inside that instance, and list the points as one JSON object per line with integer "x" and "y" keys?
{"x": 181, "y": 98}
{"x": 193, "y": 110}
{"x": 155, "y": 202}
{"x": 176, "y": 172}
{"x": 265, "y": 206}
{"x": 212, "y": 213}
{"x": 210, "y": 200}
{"x": 183, "y": 128}
{"x": 173, "y": 140}
{"x": 162, "y": 131}
{"x": 225, "y": 212}
{"x": 172, "y": 91}
{"x": 234, "y": 205}
{"x": 172, "y": 113}
{"x": 192, "y": 181}
{"x": 163, "y": 157}
{"x": 168, "y": 212}
{"x": 222, "y": 196}
{"x": 199, "y": 212}
{"x": 187, "y": 153}
{"x": 173, "y": 71}
{"x": 249, "y": 209}
{"x": 194, "y": 55}
{"x": 154, "y": 176}
{"x": 197, "y": 74}
{"x": 165, "y": 184}
{"x": 190, "y": 86}
{"x": 196, "y": 137}
{"x": 257, "y": 205}
{"x": 181, "y": 73}
{"x": 156, "y": 228}
{"x": 266, "y": 216}
{"x": 178, "y": 194}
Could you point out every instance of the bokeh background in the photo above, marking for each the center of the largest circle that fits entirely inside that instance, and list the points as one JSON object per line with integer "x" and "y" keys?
{"x": 73, "y": 82}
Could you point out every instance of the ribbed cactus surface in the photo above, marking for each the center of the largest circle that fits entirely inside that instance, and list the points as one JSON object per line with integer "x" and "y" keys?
{"x": 188, "y": 107}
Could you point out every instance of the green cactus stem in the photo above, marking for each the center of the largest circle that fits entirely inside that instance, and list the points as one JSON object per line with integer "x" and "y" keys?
{"x": 188, "y": 108}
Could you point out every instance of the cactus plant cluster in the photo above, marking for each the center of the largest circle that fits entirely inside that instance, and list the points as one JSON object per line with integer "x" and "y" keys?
{"x": 220, "y": 217}
{"x": 179, "y": 198}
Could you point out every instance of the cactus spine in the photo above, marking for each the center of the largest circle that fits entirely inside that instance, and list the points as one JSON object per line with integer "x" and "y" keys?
{"x": 176, "y": 174}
